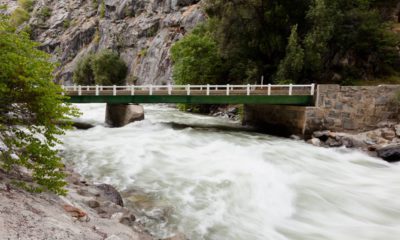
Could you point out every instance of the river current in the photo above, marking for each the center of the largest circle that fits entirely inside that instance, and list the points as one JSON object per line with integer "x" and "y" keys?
{"x": 223, "y": 182}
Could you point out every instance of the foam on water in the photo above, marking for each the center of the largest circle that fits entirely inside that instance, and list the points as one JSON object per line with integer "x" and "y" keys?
{"x": 240, "y": 185}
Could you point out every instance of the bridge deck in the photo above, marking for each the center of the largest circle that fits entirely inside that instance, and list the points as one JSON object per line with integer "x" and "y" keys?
{"x": 198, "y": 94}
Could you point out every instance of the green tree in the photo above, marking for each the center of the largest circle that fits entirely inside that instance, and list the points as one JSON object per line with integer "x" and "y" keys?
{"x": 83, "y": 73}
{"x": 108, "y": 68}
{"x": 196, "y": 60}
{"x": 30, "y": 108}
{"x": 103, "y": 68}
{"x": 290, "y": 68}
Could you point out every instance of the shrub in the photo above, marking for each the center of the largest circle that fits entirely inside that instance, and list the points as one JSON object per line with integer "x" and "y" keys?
{"x": 102, "y": 9}
{"x": 196, "y": 60}
{"x": 27, "y": 5}
{"x": 109, "y": 69}
{"x": 83, "y": 73}
{"x": 30, "y": 107}
{"x": 104, "y": 68}
{"x": 44, "y": 13}
{"x": 66, "y": 23}
{"x": 19, "y": 16}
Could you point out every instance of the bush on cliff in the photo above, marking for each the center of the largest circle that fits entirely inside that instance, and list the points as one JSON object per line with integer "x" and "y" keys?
{"x": 30, "y": 108}
{"x": 103, "y": 68}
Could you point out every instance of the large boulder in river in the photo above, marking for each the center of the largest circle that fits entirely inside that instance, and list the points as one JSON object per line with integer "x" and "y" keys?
{"x": 390, "y": 153}
{"x": 119, "y": 115}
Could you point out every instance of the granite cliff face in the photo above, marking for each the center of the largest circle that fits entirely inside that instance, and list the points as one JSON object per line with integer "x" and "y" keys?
{"x": 142, "y": 31}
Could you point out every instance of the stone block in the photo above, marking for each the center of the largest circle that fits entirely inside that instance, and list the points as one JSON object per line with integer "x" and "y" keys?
{"x": 348, "y": 124}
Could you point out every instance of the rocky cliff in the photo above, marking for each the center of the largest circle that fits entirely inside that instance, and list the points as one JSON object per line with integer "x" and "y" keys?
{"x": 141, "y": 31}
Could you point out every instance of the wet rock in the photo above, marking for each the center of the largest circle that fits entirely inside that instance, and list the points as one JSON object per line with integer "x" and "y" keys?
{"x": 388, "y": 134}
{"x": 119, "y": 115}
{"x": 127, "y": 219}
{"x": 390, "y": 153}
{"x": 322, "y": 135}
{"x": 82, "y": 125}
{"x": 93, "y": 204}
{"x": 315, "y": 142}
{"x": 295, "y": 137}
{"x": 331, "y": 142}
{"x": 110, "y": 193}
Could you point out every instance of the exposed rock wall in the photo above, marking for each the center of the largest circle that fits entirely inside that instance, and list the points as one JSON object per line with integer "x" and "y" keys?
{"x": 142, "y": 31}
{"x": 337, "y": 108}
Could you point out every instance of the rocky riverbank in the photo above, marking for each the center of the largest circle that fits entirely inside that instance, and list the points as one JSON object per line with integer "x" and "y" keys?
{"x": 89, "y": 211}
{"x": 383, "y": 142}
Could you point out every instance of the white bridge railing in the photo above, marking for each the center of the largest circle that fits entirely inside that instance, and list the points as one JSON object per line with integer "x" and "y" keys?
{"x": 202, "y": 90}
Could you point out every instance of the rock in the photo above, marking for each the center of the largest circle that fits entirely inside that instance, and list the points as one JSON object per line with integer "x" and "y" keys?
{"x": 397, "y": 129}
{"x": 82, "y": 125}
{"x": 295, "y": 137}
{"x": 113, "y": 237}
{"x": 93, "y": 204}
{"x": 331, "y": 142}
{"x": 233, "y": 110}
{"x": 119, "y": 115}
{"x": 388, "y": 134}
{"x": 322, "y": 135}
{"x": 315, "y": 142}
{"x": 128, "y": 219}
{"x": 390, "y": 153}
{"x": 110, "y": 193}
{"x": 386, "y": 124}
{"x": 177, "y": 236}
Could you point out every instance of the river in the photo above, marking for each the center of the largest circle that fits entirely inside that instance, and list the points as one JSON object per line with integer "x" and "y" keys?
{"x": 223, "y": 182}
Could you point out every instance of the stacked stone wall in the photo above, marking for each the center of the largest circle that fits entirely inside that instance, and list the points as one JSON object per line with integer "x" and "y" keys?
{"x": 337, "y": 108}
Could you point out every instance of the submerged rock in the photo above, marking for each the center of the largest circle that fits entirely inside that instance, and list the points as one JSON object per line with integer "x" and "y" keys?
{"x": 119, "y": 115}
{"x": 82, "y": 125}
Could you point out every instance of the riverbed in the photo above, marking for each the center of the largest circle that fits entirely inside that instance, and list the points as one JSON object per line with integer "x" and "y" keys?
{"x": 222, "y": 181}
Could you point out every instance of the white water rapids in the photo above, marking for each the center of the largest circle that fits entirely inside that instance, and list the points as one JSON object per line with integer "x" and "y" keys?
{"x": 238, "y": 185}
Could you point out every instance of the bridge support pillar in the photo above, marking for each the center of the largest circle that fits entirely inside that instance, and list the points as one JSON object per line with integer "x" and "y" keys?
{"x": 119, "y": 115}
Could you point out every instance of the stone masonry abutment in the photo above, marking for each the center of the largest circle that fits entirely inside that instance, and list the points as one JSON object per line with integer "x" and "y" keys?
{"x": 337, "y": 108}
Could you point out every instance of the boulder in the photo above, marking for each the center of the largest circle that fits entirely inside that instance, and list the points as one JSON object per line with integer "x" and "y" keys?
{"x": 315, "y": 142}
{"x": 390, "y": 153}
{"x": 82, "y": 125}
{"x": 397, "y": 129}
{"x": 119, "y": 115}
{"x": 388, "y": 134}
{"x": 111, "y": 194}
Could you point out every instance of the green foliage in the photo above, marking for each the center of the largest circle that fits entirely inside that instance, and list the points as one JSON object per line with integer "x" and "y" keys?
{"x": 19, "y": 16}
{"x": 66, "y": 23}
{"x": 83, "y": 73}
{"x": 104, "y": 68}
{"x": 109, "y": 69}
{"x": 337, "y": 40}
{"x": 143, "y": 52}
{"x": 30, "y": 107}
{"x": 290, "y": 68}
{"x": 44, "y": 13}
{"x": 102, "y": 9}
{"x": 196, "y": 60}
{"x": 27, "y": 5}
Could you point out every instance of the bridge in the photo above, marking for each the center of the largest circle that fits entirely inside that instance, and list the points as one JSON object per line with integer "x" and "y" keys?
{"x": 300, "y": 95}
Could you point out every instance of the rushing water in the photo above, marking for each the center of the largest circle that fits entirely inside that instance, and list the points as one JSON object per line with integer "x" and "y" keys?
{"x": 238, "y": 185}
